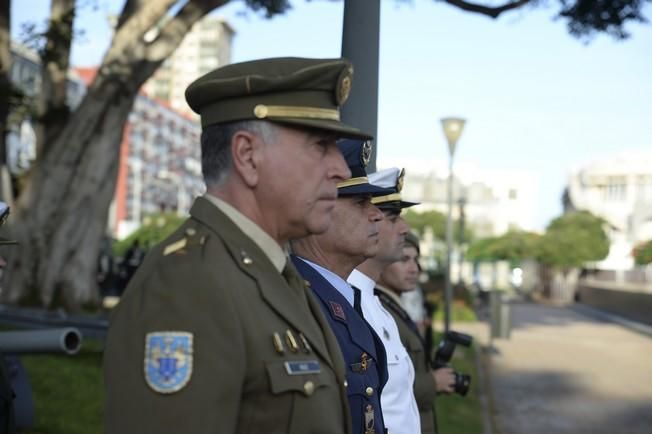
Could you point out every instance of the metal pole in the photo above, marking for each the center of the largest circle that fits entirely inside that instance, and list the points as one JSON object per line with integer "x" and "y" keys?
{"x": 462, "y": 202}
{"x": 449, "y": 246}
{"x": 360, "y": 44}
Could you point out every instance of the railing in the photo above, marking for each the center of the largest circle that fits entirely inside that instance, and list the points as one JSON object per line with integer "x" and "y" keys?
{"x": 638, "y": 275}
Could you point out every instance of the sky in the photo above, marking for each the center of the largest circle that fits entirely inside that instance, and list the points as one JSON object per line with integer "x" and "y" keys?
{"x": 534, "y": 97}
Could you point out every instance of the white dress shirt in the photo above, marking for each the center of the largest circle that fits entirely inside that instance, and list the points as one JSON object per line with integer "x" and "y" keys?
{"x": 338, "y": 283}
{"x": 399, "y": 405}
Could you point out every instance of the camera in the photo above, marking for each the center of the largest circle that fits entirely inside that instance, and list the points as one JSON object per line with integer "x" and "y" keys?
{"x": 444, "y": 354}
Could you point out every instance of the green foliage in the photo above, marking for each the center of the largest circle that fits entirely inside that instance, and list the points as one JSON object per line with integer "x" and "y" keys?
{"x": 573, "y": 239}
{"x": 460, "y": 312}
{"x": 643, "y": 253}
{"x": 587, "y": 17}
{"x": 78, "y": 380}
{"x": 418, "y": 221}
{"x": 155, "y": 228}
{"x": 514, "y": 246}
{"x": 271, "y": 7}
{"x": 436, "y": 220}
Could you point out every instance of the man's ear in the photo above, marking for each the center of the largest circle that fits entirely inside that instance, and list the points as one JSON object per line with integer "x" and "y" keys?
{"x": 246, "y": 154}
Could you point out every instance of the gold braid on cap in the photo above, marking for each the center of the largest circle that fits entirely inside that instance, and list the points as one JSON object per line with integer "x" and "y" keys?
{"x": 394, "y": 197}
{"x": 262, "y": 111}
{"x": 353, "y": 181}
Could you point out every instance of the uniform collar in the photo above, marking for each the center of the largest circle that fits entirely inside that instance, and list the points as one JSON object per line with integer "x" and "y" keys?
{"x": 361, "y": 281}
{"x": 266, "y": 243}
{"x": 336, "y": 281}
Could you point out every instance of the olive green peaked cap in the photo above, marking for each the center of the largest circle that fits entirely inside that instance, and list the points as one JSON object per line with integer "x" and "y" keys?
{"x": 288, "y": 90}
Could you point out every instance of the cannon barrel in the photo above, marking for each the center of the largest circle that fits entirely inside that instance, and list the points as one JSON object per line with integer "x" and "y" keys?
{"x": 63, "y": 340}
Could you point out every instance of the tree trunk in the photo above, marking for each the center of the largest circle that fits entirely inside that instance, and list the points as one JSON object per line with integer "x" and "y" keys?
{"x": 5, "y": 90}
{"x": 62, "y": 212}
{"x": 62, "y": 216}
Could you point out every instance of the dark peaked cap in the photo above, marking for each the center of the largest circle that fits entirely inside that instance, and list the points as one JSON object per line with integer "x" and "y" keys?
{"x": 289, "y": 90}
{"x": 357, "y": 154}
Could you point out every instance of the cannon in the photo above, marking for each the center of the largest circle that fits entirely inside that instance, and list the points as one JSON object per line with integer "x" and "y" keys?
{"x": 19, "y": 411}
{"x": 63, "y": 340}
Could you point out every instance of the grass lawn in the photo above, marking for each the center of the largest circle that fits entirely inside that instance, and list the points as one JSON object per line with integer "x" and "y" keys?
{"x": 461, "y": 414}
{"x": 68, "y": 391}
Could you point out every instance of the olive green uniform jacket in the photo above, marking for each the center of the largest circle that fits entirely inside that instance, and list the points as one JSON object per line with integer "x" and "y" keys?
{"x": 425, "y": 388}
{"x": 219, "y": 286}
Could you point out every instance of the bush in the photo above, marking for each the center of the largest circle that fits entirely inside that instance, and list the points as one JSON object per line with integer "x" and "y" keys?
{"x": 643, "y": 253}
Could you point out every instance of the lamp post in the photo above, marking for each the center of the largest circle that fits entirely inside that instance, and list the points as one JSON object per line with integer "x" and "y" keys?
{"x": 452, "y": 130}
{"x": 460, "y": 253}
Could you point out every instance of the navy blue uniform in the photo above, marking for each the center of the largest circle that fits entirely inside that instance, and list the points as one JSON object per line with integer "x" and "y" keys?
{"x": 364, "y": 353}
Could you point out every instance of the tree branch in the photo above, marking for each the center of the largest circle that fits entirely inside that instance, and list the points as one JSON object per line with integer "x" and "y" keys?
{"x": 137, "y": 20}
{"x": 128, "y": 10}
{"x": 176, "y": 29}
{"x": 490, "y": 11}
{"x": 5, "y": 84}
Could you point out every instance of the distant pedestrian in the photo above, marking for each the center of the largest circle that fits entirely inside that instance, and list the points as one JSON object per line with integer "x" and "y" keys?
{"x": 105, "y": 269}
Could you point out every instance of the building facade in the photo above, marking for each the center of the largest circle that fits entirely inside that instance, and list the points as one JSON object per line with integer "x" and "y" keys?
{"x": 493, "y": 201}
{"x": 206, "y": 47}
{"x": 25, "y": 74}
{"x": 160, "y": 165}
{"x": 617, "y": 188}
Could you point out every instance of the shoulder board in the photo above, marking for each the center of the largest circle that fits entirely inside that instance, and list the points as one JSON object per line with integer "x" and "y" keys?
{"x": 175, "y": 246}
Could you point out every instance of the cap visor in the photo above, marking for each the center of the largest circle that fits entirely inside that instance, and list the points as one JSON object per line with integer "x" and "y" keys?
{"x": 396, "y": 204}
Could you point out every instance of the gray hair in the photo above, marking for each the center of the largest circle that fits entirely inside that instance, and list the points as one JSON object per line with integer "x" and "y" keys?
{"x": 216, "y": 161}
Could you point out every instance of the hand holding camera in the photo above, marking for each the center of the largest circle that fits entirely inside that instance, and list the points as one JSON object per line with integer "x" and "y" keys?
{"x": 444, "y": 353}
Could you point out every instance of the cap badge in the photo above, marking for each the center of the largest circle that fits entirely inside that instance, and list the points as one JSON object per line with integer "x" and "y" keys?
{"x": 399, "y": 181}
{"x": 343, "y": 88}
{"x": 365, "y": 155}
{"x": 168, "y": 360}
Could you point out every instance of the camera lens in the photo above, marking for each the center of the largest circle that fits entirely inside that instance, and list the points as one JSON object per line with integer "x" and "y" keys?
{"x": 462, "y": 383}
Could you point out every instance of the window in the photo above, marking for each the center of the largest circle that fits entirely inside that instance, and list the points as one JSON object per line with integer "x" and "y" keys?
{"x": 616, "y": 189}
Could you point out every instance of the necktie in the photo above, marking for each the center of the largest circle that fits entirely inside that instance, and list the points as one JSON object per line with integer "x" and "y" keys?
{"x": 357, "y": 295}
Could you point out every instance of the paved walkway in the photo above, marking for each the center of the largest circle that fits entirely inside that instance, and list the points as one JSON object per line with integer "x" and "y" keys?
{"x": 566, "y": 372}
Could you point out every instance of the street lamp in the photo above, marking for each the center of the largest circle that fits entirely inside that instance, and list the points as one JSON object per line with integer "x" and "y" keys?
{"x": 452, "y": 130}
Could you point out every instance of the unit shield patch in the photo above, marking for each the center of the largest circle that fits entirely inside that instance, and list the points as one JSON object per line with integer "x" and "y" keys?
{"x": 168, "y": 360}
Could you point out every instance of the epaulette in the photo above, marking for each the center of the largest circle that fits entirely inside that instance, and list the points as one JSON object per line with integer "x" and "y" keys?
{"x": 179, "y": 247}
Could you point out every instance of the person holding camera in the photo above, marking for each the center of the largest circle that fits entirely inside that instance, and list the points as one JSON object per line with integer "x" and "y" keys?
{"x": 399, "y": 277}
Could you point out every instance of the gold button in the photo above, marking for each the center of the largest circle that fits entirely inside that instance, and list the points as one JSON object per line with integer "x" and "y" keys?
{"x": 309, "y": 387}
{"x": 369, "y": 391}
{"x": 346, "y": 383}
{"x": 260, "y": 111}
